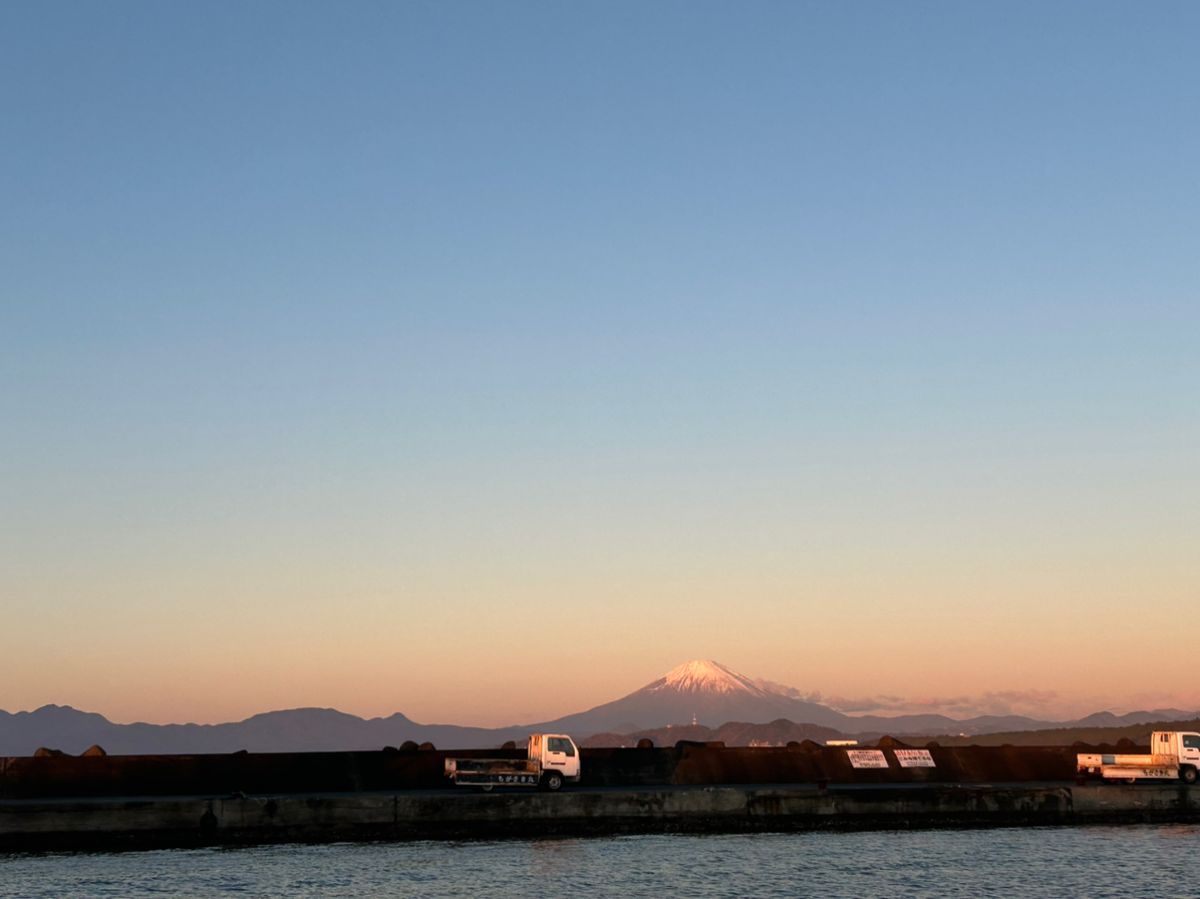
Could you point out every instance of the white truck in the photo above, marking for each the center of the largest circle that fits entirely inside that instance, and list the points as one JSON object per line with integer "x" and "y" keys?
{"x": 551, "y": 761}
{"x": 1173, "y": 754}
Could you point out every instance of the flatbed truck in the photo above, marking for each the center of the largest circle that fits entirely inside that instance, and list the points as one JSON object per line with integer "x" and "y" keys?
{"x": 1174, "y": 754}
{"x": 550, "y": 761}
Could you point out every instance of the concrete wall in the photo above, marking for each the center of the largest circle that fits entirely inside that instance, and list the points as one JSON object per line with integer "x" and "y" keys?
{"x": 107, "y": 823}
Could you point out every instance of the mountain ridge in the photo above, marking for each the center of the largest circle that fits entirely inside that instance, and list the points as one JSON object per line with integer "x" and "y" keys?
{"x": 700, "y": 692}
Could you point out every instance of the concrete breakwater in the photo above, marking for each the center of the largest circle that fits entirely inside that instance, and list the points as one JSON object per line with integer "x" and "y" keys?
{"x": 38, "y": 825}
{"x": 145, "y": 801}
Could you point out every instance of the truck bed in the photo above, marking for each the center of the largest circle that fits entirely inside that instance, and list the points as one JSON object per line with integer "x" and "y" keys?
{"x": 1128, "y": 766}
{"x": 492, "y": 766}
{"x": 494, "y": 772}
{"x": 1125, "y": 760}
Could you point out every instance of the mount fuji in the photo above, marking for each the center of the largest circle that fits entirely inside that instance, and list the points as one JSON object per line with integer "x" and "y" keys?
{"x": 702, "y": 691}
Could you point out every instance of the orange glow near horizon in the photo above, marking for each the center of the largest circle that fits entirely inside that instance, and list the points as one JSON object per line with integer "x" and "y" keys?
{"x": 371, "y": 655}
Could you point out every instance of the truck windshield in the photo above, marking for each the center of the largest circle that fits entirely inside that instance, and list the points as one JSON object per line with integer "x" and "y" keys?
{"x": 558, "y": 744}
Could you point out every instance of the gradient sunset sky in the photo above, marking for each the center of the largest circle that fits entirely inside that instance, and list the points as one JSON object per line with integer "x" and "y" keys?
{"x": 483, "y": 361}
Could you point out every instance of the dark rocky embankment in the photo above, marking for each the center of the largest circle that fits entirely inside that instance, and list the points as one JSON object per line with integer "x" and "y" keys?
{"x": 421, "y": 769}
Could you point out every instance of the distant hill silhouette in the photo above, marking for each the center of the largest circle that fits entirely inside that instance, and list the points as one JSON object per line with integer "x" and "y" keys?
{"x": 1138, "y": 734}
{"x": 293, "y": 730}
{"x": 733, "y": 733}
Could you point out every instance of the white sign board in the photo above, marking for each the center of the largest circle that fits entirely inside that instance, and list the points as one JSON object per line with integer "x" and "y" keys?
{"x": 914, "y": 758}
{"x": 867, "y": 758}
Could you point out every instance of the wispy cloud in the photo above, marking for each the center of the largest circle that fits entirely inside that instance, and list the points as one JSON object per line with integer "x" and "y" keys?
{"x": 1031, "y": 703}
{"x": 1043, "y": 705}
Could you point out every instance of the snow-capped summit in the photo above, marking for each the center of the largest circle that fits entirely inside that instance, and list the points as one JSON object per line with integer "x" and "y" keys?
{"x": 704, "y": 676}
{"x": 700, "y": 690}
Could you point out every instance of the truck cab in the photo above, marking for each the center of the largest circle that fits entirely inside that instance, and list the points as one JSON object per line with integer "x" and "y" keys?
{"x": 1184, "y": 746}
{"x": 558, "y": 756}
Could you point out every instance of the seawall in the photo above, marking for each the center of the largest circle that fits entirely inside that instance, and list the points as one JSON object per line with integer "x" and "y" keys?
{"x": 37, "y": 825}
{"x": 64, "y": 802}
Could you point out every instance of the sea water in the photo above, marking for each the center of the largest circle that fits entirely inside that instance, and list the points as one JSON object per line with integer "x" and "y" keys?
{"x": 1081, "y": 861}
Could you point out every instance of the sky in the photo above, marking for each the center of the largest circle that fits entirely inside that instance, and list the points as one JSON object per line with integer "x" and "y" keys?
{"x": 485, "y": 361}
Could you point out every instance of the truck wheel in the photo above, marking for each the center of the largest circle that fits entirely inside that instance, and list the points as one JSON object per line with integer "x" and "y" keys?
{"x": 487, "y": 788}
{"x": 1187, "y": 775}
{"x": 553, "y": 781}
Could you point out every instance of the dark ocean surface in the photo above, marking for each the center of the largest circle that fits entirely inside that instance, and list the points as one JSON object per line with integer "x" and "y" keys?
{"x": 1099, "y": 861}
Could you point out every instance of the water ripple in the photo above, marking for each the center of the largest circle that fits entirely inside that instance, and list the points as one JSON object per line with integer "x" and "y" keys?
{"x": 1051, "y": 862}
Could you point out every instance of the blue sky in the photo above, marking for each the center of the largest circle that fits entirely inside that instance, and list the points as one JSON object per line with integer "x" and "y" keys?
{"x": 319, "y": 318}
